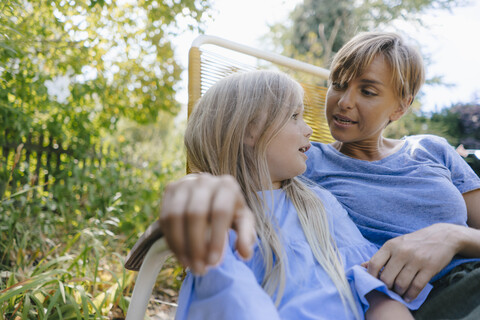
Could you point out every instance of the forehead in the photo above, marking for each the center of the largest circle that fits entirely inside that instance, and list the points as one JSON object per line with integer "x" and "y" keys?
{"x": 378, "y": 71}
{"x": 377, "y": 68}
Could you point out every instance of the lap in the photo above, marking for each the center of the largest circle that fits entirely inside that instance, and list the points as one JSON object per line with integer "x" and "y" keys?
{"x": 455, "y": 296}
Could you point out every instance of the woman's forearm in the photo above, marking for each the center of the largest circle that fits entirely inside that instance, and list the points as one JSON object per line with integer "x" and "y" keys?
{"x": 468, "y": 241}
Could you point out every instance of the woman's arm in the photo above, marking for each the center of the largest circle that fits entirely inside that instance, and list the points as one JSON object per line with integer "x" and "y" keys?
{"x": 472, "y": 200}
{"x": 410, "y": 261}
{"x": 407, "y": 263}
{"x": 382, "y": 307}
{"x": 202, "y": 204}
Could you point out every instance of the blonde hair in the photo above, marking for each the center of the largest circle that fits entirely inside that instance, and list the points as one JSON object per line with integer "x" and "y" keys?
{"x": 406, "y": 63}
{"x": 215, "y": 142}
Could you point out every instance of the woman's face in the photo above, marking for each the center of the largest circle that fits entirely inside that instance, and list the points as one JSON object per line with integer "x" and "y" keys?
{"x": 286, "y": 152}
{"x": 359, "y": 110}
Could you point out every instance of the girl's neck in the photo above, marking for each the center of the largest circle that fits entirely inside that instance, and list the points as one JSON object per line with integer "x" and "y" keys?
{"x": 276, "y": 185}
{"x": 369, "y": 150}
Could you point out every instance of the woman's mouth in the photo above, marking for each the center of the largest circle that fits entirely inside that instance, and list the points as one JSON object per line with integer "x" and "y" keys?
{"x": 344, "y": 120}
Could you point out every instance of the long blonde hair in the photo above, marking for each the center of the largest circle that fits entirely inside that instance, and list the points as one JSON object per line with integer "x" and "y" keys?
{"x": 215, "y": 142}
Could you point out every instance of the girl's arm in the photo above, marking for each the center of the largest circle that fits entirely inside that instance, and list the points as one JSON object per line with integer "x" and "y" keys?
{"x": 382, "y": 307}
{"x": 227, "y": 291}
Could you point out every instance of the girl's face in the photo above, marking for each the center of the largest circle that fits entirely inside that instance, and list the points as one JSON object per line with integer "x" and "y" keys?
{"x": 359, "y": 110}
{"x": 286, "y": 152}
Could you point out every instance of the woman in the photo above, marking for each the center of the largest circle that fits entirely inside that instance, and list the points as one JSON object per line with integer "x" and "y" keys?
{"x": 251, "y": 127}
{"x": 415, "y": 197}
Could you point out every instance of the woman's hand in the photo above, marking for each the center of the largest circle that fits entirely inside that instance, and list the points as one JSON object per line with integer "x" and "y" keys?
{"x": 407, "y": 263}
{"x": 197, "y": 211}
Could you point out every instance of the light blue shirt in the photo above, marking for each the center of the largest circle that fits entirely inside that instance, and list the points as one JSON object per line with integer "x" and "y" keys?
{"x": 233, "y": 291}
{"x": 419, "y": 185}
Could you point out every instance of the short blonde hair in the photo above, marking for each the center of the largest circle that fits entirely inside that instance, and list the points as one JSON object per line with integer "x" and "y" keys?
{"x": 405, "y": 61}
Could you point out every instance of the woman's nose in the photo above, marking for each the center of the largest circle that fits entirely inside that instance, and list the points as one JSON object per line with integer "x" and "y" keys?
{"x": 346, "y": 99}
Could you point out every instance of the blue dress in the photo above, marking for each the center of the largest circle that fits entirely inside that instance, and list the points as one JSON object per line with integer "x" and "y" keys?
{"x": 419, "y": 185}
{"x": 232, "y": 290}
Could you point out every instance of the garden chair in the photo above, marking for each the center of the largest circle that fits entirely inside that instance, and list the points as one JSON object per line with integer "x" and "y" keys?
{"x": 205, "y": 67}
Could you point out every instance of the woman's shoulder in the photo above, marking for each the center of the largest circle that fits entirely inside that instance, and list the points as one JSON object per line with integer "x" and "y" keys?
{"x": 428, "y": 143}
{"x": 426, "y": 139}
{"x": 320, "y": 153}
{"x": 318, "y": 147}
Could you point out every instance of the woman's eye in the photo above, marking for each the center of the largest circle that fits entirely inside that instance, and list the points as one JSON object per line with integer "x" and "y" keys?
{"x": 368, "y": 92}
{"x": 295, "y": 116}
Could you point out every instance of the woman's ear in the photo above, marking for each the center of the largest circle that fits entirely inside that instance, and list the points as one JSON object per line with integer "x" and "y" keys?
{"x": 402, "y": 108}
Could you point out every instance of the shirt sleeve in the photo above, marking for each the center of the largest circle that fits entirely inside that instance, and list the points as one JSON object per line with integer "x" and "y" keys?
{"x": 363, "y": 283}
{"x": 463, "y": 176}
{"x": 228, "y": 291}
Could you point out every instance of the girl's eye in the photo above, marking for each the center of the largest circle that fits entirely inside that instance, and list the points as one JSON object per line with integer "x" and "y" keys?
{"x": 295, "y": 116}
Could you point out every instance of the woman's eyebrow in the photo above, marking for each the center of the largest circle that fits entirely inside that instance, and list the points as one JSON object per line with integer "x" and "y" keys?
{"x": 369, "y": 81}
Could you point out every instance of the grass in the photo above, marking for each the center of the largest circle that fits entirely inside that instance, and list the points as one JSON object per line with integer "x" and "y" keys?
{"x": 62, "y": 250}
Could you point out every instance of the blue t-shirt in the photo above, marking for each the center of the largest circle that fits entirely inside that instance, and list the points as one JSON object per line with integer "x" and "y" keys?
{"x": 232, "y": 290}
{"x": 419, "y": 185}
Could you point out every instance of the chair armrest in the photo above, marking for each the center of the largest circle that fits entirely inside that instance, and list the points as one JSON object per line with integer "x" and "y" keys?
{"x": 137, "y": 254}
{"x": 152, "y": 264}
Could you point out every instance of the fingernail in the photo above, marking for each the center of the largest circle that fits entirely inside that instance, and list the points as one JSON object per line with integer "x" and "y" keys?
{"x": 198, "y": 267}
{"x": 407, "y": 300}
{"x": 213, "y": 258}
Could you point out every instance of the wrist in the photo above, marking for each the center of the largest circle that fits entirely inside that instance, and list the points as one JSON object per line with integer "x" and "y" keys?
{"x": 455, "y": 236}
{"x": 466, "y": 241}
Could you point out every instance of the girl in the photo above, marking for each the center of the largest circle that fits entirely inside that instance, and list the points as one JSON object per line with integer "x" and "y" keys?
{"x": 305, "y": 264}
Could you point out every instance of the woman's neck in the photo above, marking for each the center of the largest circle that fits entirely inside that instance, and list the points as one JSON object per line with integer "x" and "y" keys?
{"x": 369, "y": 150}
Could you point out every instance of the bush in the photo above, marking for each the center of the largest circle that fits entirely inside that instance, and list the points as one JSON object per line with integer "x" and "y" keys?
{"x": 62, "y": 250}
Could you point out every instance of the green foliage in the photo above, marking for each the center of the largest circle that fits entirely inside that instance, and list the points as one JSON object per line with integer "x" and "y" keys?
{"x": 444, "y": 123}
{"x": 96, "y": 78}
{"x": 459, "y": 124}
{"x": 63, "y": 249}
{"x": 74, "y": 68}
{"x": 319, "y": 28}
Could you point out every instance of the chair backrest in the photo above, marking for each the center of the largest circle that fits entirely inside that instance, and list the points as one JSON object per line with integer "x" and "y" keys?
{"x": 204, "y": 69}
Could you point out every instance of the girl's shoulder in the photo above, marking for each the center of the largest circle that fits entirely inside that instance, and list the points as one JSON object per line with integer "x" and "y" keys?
{"x": 329, "y": 201}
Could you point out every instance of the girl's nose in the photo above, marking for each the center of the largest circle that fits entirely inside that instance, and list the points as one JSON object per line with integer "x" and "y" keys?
{"x": 308, "y": 131}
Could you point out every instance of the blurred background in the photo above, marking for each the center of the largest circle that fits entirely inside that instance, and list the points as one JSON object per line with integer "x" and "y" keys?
{"x": 92, "y": 113}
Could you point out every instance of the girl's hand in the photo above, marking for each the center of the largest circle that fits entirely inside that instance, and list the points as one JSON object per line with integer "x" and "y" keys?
{"x": 197, "y": 211}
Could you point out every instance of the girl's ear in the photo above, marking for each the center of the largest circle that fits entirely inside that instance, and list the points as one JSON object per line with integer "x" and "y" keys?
{"x": 401, "y": 108}
{"x": 251, "y": 134}
{"x": 249, "y": 138}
